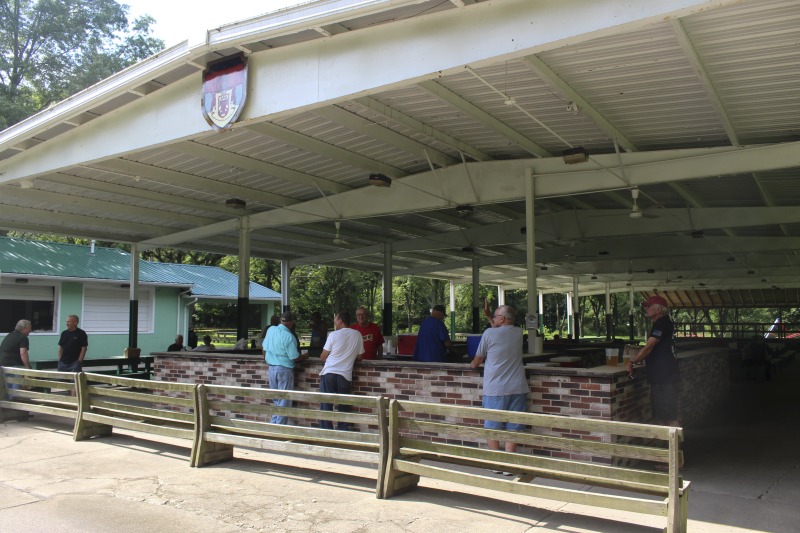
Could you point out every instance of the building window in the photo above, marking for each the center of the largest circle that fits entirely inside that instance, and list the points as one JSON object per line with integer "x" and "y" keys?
{"x": 31, "y": 302}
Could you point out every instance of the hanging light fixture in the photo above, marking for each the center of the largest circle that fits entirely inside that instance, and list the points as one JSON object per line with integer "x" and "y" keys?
{"x": 380, "y": 180}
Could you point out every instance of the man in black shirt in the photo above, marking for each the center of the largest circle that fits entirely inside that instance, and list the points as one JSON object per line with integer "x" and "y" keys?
{"x": 662, "y": 364}
{"x": 14, "y": 348}
{"x": 177, "y": 346}
{"x": 72, "y": 346}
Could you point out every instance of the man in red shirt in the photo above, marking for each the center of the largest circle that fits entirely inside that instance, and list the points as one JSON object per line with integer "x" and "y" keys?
{"x": 370, "y": 334}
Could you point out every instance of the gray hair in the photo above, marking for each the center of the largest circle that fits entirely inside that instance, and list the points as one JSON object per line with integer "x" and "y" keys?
{"x": 506, "y": 311}
{"x": 23, "y": 324}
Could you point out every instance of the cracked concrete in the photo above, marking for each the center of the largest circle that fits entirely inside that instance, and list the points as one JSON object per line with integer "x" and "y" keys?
{"x": 743, "y": 465}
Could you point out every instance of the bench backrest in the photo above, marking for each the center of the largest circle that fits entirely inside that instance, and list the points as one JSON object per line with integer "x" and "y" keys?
{"x": 157, "y": 407}
{"x": 587, "y": 451}
{"x": 38, "y": 391}
{"x": 246, "y": 410}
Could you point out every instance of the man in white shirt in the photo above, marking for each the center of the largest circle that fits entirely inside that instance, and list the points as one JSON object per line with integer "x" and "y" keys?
{"x": 342, "y": 349}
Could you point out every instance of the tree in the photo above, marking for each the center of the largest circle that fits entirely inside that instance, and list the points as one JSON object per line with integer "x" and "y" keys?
{"x": 50, "y": 49}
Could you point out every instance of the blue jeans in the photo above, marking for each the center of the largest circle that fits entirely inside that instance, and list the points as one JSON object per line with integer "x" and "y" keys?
{"x": 14, "y": 386}
{"x": 335, "y": 384}
{"x": 75, "y": 366}
{"x": 281, "y": 378}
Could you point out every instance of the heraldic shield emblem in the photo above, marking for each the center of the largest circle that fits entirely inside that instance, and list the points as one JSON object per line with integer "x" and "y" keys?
{"x": 224, "y": 91}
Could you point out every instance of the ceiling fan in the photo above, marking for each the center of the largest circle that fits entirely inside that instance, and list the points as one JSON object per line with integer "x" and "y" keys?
{"x": 338, "y": 239}
{"x": 636, "y": 211}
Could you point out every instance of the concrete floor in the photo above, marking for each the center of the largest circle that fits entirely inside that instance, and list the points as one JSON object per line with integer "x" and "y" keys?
{"x": 743, "y": 464}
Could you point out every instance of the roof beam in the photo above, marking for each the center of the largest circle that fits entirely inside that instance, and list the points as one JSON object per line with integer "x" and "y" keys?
{"x": 65, "y": 223}
{"x": 316, "y": 146}
{"x": 92, "y": 206}
{"x": 503, "y": 181}
{"x": 192, "y": 182}
{"x": 422, "y": 128}
{"x": 369, "y": 128}
{"x": 697, "y": 64}
{"x": 541, "y": 69}
{"x": 135, "y": 192}
{"x": 210, "y": 153}
{"x": 484, "y": 118}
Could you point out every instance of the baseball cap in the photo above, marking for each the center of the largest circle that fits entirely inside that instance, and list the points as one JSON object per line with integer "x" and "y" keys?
{"x": 655, "y": 300}
{"x": 441, "y": 309}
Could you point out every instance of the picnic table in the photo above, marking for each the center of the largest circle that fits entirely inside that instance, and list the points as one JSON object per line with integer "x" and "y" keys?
{"x": 119, "y": 361}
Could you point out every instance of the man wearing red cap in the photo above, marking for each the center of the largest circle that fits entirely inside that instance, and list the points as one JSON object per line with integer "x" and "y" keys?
{"x": 662, "y": 364}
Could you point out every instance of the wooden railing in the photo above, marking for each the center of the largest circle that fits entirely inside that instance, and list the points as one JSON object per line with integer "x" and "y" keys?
{"x": 404, "y": 439}
{"x": 38, "y": 391}
{"x": 239, "y": 416}
{"x": 423, "y": 432}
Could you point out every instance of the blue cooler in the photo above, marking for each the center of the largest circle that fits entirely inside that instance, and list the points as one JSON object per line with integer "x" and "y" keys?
{"x": 473, "y": 340}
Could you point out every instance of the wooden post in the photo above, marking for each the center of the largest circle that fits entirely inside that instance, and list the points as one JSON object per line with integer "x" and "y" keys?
{"x": 207, "y": 452}
{"x": 676, "y": 523}
{"x": 85, "y": 429}
{"x": 382, "y": 406}
{"x": 396, "y": 482}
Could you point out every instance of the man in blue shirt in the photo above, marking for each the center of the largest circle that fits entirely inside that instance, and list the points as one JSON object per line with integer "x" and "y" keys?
{"x": 281, "y": 354}
{"x": 433, "y": 339}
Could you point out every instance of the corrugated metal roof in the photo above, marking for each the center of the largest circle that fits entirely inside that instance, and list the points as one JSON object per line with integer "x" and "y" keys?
{"x": 21, "y": 257}
{"x": 713, "y": 75}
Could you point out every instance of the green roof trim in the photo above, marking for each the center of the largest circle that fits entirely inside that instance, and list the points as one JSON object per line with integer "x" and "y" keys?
{"x": 22, "y": 257}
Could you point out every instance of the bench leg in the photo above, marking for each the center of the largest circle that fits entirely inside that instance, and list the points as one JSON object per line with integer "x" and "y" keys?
{"x": 213, "y": 452}
{"x": 86, "y": 430}
{"x": 400, "y": 482}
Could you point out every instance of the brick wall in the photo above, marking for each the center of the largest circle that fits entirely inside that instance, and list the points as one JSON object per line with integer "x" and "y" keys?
{"x": 603, "y": 393}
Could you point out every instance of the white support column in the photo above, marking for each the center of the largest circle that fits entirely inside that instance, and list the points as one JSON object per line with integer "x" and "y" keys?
{"x": 608, "y": 312}
{"x": 476, "y": 296}
{"x": 284, "y": 285}
{"x": 631, "y": 316}
{"x": 501, "y": 295}
{"x": 243, "y": 301}
{"x": 541, "y": 312}
{"x": 575, "y": 309}
{"x": 452, "y": 310}
{"x": 570, "y": 329}
{"x": 133, "y": 313}
{"x": 532, "y": 316}
{"x": 387, "y": 290}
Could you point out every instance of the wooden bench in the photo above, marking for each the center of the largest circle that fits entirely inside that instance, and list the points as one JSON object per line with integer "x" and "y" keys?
{"x": 430, "y": 439}
{"x": 51, "y": 393}
{"x": 240, "y": 416}
{"x": 156, "y": 407}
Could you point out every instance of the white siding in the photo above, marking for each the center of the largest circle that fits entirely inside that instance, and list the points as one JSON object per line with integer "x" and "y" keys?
{"x": 26, "y": 292}
{"x": 106, "y": 310}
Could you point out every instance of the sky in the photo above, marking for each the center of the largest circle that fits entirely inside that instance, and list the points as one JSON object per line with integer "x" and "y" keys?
{"x": 178, "y": 20}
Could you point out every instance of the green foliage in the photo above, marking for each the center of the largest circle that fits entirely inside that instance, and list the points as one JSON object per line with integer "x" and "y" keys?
{"x": 183, "y": 257}
{"x": 329, "y": 290}
{"x": 50, "y": 49}
{"x": 262, "y": 271}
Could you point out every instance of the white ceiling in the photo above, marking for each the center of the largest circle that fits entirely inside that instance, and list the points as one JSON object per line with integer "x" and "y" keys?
{"x": 457, "y": 102}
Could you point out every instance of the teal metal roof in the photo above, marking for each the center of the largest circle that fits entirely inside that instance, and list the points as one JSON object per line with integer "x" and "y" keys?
{"x": 22, "y": 257}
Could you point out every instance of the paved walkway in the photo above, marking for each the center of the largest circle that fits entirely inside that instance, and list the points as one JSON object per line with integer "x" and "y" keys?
{"x": 743, "y": 464}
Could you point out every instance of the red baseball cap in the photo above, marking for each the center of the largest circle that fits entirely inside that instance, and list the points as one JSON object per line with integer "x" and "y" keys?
{"x": 655, "y": 300}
